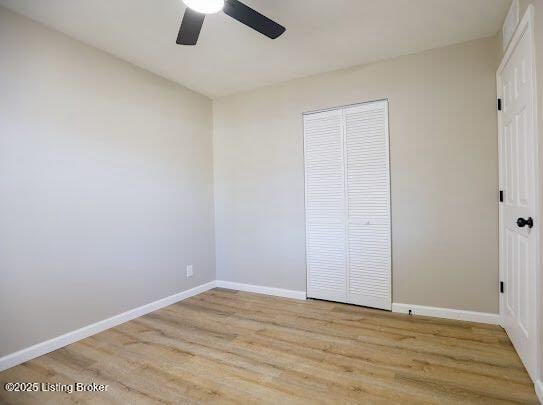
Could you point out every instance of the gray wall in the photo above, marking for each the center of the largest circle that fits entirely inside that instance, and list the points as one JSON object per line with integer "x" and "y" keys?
{"x": 106, "y": 186}
{"x": 444, "y": 175}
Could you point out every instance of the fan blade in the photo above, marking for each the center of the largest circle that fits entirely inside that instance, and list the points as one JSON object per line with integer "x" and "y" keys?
{"x": 252, "y": 18}
{"x": 190, "y": 27}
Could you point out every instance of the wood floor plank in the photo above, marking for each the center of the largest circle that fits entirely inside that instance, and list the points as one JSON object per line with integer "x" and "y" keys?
{"x": 226, "y": 346}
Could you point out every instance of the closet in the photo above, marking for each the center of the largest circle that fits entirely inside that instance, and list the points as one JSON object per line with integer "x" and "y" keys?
{"x": 347, "y": 201}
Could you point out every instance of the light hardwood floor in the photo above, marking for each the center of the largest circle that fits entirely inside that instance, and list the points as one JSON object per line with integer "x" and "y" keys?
{"x": 231, "y": 347}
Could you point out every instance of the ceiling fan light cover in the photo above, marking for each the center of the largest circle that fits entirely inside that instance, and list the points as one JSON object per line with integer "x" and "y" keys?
{"x": 205, "y": 6}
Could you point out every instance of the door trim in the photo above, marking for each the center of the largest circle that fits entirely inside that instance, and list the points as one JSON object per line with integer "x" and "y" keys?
{"x": 526, "y": 25}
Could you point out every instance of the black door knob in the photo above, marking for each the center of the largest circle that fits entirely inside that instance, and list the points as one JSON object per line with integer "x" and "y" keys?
{"x": 521, "y": 222}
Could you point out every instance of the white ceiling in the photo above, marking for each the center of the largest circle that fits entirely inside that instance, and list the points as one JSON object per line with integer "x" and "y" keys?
{"x": 322, "y": 35}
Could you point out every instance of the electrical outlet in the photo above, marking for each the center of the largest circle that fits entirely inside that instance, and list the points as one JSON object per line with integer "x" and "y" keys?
{"x": 190, "y": 272}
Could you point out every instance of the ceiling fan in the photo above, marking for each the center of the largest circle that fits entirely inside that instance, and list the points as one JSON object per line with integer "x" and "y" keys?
{"x": 197, "y": 10}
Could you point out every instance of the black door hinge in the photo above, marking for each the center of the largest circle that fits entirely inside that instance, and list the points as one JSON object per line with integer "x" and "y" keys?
{"x": 501, "y": 287}
{"x": 501, "y": 195}
{"x": 499, "y": 104}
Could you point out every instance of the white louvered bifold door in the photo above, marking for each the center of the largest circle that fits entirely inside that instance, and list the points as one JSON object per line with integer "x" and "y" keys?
{"x": 348, "y": 205}
{"x": 325, "y": 206}
{"x": 368, "y": 201}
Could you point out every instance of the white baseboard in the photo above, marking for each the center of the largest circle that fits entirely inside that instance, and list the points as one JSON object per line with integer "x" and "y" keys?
{"x": 539, "y": 390}
{"x": 279, "y": 292}
{"x": 447, "y": 313}
{"x": 48, "y": 346}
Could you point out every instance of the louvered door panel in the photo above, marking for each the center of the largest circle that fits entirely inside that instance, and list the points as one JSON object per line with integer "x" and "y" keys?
{"x": 325, "y": 206}
{"x": 348, "y": 205}
{"x": 368, "y": 200}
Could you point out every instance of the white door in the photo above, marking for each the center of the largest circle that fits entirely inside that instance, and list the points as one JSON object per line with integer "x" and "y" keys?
{"x": 325, "y": 206}
{"x": 518, "y": 174}
{"x": 368, "y": 203}
{"x": 348, "y": 205}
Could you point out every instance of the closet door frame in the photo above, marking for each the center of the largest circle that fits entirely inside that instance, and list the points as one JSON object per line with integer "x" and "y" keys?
{"x": 387, "y": 140}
